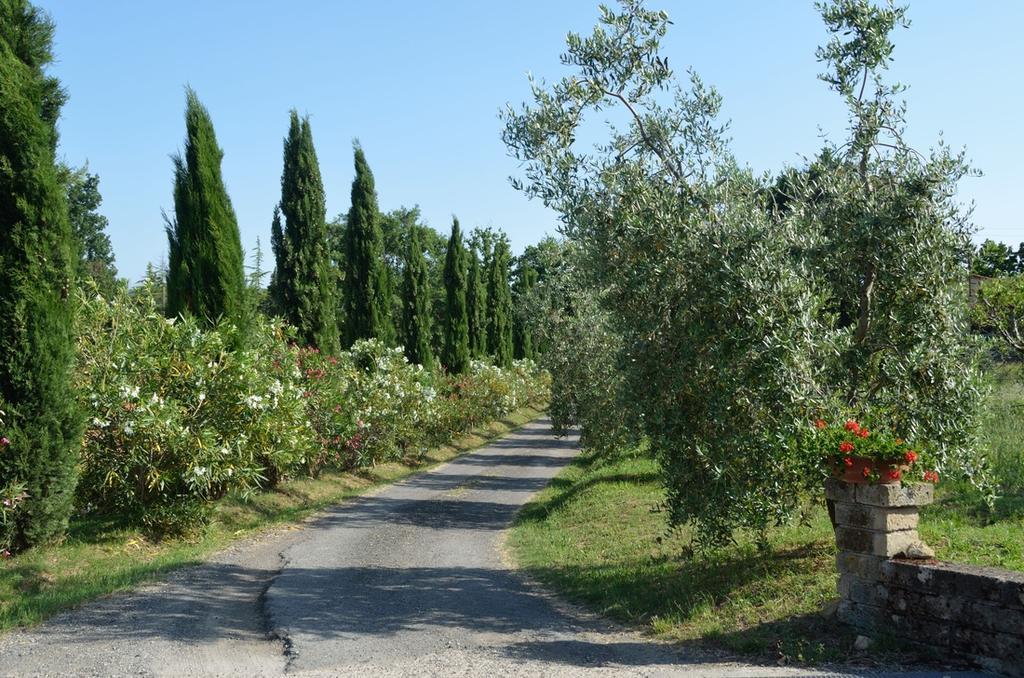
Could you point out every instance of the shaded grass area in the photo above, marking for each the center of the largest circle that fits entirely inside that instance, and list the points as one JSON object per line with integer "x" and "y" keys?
{"x": 598, "y": 535}
{"x": 100, "y": 556}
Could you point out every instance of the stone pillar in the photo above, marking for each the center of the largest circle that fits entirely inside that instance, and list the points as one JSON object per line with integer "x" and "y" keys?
{"x": 873, "y": 524}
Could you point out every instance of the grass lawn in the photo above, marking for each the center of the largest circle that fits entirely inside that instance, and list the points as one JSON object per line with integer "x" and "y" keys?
{"x": 598, "y": 535}
{"x": 100, "y": 557}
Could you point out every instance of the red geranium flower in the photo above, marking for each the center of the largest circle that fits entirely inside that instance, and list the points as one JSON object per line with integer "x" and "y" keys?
{"x": 931, "y": 476}
{"x": 851, "y": 425}
{"x": 866, "y": 471}
{"x": 845, "y": 447}
{"x": 910, "y": 456}
{"x": 820, "y": 424}
{"x": 848, "y": 461}
{"x": 894, "y": 474}
{"x": 863, "y": 433}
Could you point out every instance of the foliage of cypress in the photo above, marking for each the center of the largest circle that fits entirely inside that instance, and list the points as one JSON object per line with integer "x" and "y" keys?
{"x": 416, "y": 303}
{"x": 456, "y": 330}
{"x": 275, "y": 293}
{"x": 476, "y": 302}
{"x": 499, "y": 296}
{"x": 41, "y": 423}
{"x": 522, "y": 334}
{"x": 304, "y": 284}
{"x": 367, "y": 299}
{"x": 206, "y": 276}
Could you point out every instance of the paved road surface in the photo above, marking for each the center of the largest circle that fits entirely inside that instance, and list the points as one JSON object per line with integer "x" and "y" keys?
{"x": 408, "y": 581}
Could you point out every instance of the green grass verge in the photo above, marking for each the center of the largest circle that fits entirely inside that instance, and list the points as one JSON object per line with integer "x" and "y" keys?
{"x": 100, "y": 557}
{"x": 597, "y": 534}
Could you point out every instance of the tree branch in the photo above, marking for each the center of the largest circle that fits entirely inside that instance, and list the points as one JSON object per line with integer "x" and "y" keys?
{"x": 674, "y": 171}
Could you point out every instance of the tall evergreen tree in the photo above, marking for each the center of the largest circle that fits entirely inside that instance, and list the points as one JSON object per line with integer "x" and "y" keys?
{"x": 476, "y": 300}
{"x": 522, "y": 336}
{"x": 456, "y": 330}
{"x": 499, "y": 296}
{"x": 367, "y": 299}
{"x": 89, "y": 228}
{"x": 416, "y": 303}
{"x": 275, "y": 291}
{"x": 257, "y": 299}
{"x": 41, "y": 423}
{"x": 304, "y": 281}
{"x": 206, "y": 276}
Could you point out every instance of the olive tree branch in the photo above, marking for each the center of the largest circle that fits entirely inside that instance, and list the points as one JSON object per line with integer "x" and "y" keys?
{"x": 674, "y": 171}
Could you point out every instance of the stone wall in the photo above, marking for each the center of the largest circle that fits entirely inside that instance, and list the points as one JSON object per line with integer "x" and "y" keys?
{"x": 889, "y": 583}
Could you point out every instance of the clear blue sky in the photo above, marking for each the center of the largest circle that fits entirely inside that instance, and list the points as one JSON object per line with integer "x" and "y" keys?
{"x": 420, "y": 84}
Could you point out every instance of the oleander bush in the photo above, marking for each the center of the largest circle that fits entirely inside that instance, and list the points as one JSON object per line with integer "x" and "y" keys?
{"x": 177, "y": 418}
{"x": 180, "y": 415}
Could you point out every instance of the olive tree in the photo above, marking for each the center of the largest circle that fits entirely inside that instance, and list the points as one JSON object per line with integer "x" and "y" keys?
{"x": 741, "y": 310}
{"x": 716, "y": 326}
{"x": 892, "y": 252}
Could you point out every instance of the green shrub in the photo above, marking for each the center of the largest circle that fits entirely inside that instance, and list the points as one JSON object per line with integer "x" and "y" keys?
{"x": 176, "y": 418}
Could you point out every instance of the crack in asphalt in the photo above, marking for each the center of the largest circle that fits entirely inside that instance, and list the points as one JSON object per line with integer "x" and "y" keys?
{"x": 273, "y": 634}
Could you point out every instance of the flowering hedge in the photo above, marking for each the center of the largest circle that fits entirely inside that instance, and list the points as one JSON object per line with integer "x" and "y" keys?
{"x": 178, "y": 416}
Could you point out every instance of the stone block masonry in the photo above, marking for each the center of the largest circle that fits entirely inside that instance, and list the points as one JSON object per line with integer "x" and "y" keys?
{"x": 889, "y": 583}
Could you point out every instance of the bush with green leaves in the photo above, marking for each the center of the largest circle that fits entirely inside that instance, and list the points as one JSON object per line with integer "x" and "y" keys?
{"x": 178, "y": 418}
{"x": 393, "y": 400}
{"x": 333, "y": 421}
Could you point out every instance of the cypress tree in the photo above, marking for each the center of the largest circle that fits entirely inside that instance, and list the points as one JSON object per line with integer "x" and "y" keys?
{"x": 275, "y": 292}
{"x": 304, "y": 285}
{"x": 456, "y": 330}
{"x": 499, "y": 321}
{"x": 476, "y": 302}
{"x": 367, "y": 299}
{"x": 416, "y": 303}
{"x": 522, "y": 337}
{"x": 41, "y": 425}
{"x": 206, "y": 276}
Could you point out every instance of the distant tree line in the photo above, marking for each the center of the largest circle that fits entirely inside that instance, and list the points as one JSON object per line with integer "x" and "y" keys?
{"x": 995, "y": 259}
{"x": 363, "y": 275}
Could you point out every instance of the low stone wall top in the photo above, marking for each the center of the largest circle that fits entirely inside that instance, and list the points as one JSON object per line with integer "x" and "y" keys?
{"x": 977, "y": 611}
